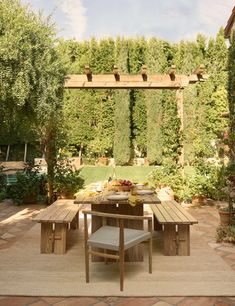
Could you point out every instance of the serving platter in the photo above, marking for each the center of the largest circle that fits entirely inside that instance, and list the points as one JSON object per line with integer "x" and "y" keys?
{"x": 118, "y": 196}
{"x": 144, "y": 191}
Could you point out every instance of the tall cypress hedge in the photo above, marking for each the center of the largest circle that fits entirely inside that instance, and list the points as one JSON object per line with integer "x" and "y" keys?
{"x": 151, "y": 125}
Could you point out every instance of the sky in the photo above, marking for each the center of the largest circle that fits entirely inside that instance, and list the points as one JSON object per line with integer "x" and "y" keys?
{"x": 171, "y": 20}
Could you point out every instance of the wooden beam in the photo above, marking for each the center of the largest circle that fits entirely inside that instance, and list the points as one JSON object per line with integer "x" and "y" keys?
{"x": 88, "y": 72}
{"x": 199, "y": 70}
{"x": 225, "y": 115}
{"x": 171, "y": 72}
{"x": 128, "y": 81}
{"x": 144, "y": 73}
{"x": 116, "y": 73}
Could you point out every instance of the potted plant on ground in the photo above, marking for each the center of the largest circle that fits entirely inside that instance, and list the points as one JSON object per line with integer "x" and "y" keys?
{"x": 67, "y": 181}
{"x": 227, "y": 213}
{"x": 198, "y": 188}
{"x": 205, "y": 182}
{"x": 168, "y": 175}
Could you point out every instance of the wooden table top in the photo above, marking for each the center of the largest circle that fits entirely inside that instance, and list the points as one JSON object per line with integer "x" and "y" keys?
{"x": 101, "y": 198}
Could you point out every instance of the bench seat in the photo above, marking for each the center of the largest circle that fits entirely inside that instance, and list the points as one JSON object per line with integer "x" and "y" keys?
{"x": 55, "y": 221}
{"x": 176, "y": 222}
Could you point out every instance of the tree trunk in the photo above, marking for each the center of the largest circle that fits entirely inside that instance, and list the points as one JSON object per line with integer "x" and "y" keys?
{"x": 25, "y": 152}
{"x": 50, "y": 157}
{"x": 8, "y": 152}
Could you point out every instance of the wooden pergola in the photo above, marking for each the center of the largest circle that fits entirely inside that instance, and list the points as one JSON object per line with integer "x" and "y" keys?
{"x": 143, "y": 80}
{"x": 134, "y": 81}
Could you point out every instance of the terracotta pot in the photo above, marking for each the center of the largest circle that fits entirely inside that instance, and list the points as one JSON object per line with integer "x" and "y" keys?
{"x": 225, "y": 217}
{"x": 65, "y": 195}
{"x": 103, "y": 161}
{"x": 199, "y": 200}
{"x": 30, "y": 199}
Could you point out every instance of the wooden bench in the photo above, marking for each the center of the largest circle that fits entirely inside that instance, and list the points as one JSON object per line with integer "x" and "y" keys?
{"x": 176, "y": 223}
{"x": 55, "y": 221}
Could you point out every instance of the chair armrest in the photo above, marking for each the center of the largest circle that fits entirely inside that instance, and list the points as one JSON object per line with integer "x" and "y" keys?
{"x": 116, "y": 216}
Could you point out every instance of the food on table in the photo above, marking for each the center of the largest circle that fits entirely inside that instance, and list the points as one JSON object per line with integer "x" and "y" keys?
{"x": 121, "y": 182}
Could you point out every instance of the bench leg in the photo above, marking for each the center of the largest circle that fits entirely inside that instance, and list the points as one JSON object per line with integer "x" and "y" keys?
{"x": 75, "y": 223}
{"x": 169, "y": 236}
{"x": 60, "y": 238}
{"x": 46, "y": 241}
{"x": 183, "y": 240}
{"x": 156, "y": 225}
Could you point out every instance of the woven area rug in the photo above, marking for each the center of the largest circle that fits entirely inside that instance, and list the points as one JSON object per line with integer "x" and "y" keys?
{"x": 24, "y": 271}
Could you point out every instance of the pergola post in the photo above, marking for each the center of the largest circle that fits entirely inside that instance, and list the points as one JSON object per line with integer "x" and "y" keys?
{"x": 180, "y": 111}
{"x": 25, "y": 151}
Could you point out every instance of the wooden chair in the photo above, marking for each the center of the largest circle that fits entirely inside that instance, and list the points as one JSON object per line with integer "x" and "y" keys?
{"x": 117, "y": 239}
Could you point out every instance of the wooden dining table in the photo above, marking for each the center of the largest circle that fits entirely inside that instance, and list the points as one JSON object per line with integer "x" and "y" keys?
{"x": 101, "y": 203}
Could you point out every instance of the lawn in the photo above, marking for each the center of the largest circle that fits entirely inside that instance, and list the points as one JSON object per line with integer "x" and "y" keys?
{"x": 134, "y": 173}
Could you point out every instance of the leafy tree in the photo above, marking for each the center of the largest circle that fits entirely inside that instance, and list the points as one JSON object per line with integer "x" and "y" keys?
{"x": 32, "y": 73}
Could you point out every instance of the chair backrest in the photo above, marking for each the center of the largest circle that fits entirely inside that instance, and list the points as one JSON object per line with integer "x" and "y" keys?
{"x": 120, "y": 222}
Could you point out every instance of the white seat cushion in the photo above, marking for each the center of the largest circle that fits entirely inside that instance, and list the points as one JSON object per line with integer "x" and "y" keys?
{"x": 107, "y": 237}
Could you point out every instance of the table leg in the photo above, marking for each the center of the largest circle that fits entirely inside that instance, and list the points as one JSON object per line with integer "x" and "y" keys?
{"x": 75, "y": 223}
{"x": 60, "y": 238}
{"x": 170, "y": 240}
{"x": 46, "y": 238}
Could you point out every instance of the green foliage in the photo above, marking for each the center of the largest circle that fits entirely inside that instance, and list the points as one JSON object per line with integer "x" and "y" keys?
{"x": 208, "y": 180}
{"x": 66, "y": 179}
{"x": 31, "y": 72}
{"x": 231, "y": 98}
{"x": 122, "y": 143}
{"x": 29, "y": 185}
{"x": 171, "y": 138}
{"x": 154, "y": 124}
{"x": 138, "y": 122}
{"x": 2, "y": 178}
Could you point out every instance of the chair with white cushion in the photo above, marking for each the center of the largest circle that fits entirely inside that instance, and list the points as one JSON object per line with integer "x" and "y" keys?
{"x": 117, "y": 239}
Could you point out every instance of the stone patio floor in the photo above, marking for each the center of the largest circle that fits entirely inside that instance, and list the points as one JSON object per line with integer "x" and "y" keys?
{"x": 16, "y": 220}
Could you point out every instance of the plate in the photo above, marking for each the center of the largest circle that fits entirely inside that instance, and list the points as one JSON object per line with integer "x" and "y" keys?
{"x": 117, "y": 197}
{"x": 139, "y": 185}
{"x": 144, "y": 191}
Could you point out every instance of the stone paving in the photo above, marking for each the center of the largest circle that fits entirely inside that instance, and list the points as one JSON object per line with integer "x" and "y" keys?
{"x": 16, "y": 220}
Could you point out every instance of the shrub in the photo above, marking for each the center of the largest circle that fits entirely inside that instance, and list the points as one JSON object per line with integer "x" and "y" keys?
{"x": 208, "y": 181}
{"x": 29, "y": 185}
{"x": 66, "y": 179}
{"x": 225, "y": 233}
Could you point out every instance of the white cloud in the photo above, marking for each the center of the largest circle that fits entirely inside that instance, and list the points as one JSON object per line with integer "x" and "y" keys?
{"x": 215, "y": 12}
{"x": 74, "y": 21}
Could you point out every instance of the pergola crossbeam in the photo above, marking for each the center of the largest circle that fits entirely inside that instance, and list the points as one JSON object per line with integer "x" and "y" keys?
{"x": 132, "y": 81}
{"x": 129, "y": 81}
{"x": 172, "y": 72}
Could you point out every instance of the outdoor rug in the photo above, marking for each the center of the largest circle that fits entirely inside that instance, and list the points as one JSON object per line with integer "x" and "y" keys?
{"x": 24, "y": 271}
